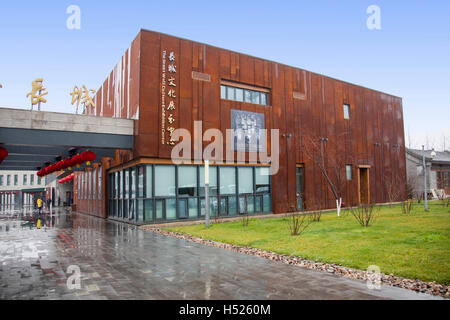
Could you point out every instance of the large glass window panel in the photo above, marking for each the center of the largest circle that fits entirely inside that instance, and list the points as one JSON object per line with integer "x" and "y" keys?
{"x": 164, "y": 181}
{"x": 267, "y": 206}
{"x": 227, "y": 180}
{"x": 242, "y": 205}
{"x": 232, "y": 206}
{"x": 187, "y": 181}
{"x": 140, "y": 192}
{"x": 264, "y": 99}
{"x": 133, "y": 183}
{"x": 255, "y": 97}
{"x": 258, "y": 206}
{"x": 262, "y": 179}
{"x": 248, "y": 96}
{"x": 230, "y": 93}
{"x": 183, "y": 208}
{"x": 140, "y": 210}
{"x": 223, "y": 92}
{"x": 120, "y": 184}
{"x": 149, "y": 210}
{"x": 125, "y": 209}
{"x": 171, "y": 209}
{"x": 239, "y": 94}
{"x": 346, "y": 111}
{"x": 126, "y": 183}
{"x": 159, "y": 209}
{"x": 245, "y": 180}
{"x": 250, "y": 204}
{"x": 223, "y": 206}
{"x": 193, "y": 208}
{"x": 212, "y": 181}
{"x": 148, "y": 183}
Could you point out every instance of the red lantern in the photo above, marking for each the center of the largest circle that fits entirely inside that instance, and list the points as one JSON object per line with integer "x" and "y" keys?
{"x": 66, "y": 163}
{"x": 88, "y": 156}
{"x": 59, "y": 165}
{"x": 3, "y": 153}
{"x": 76, "y": 160}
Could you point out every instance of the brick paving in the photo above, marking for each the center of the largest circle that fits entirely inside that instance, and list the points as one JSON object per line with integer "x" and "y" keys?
{"x": 121, "y": 261}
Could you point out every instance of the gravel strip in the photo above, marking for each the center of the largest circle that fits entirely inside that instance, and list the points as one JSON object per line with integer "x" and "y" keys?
{"x": 432, "y": 288}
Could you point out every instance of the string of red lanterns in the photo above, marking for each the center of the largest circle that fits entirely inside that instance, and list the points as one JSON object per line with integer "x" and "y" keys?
{"x": 77, "y": 160}
{"x": 67, "y": 179}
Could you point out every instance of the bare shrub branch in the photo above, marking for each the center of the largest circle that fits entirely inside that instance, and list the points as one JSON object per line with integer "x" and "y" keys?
{"x": 365, "y": 214}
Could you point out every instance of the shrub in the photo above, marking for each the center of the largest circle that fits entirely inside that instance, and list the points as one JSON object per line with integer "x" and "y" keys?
{"x": 407, "y": 206}
{"x": 244, "y": 219}
{"x": 298, "y": 223}
{"x": 316, "y": 215}
{"x": 365, "y": 214}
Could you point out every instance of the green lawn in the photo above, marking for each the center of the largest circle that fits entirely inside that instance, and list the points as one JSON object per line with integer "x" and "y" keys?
{"x": 415, "y": 246}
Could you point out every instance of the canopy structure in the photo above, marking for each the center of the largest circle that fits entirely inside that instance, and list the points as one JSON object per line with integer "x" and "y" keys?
{"x": 35, "y": 139}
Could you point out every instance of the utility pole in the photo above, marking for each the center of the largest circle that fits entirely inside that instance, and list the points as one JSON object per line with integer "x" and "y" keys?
{"x": 425, "y": 193}
{"x": 207, "y": 193}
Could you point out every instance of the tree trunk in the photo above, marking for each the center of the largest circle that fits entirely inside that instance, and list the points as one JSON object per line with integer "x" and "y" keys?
{"x": 338, "y": 206}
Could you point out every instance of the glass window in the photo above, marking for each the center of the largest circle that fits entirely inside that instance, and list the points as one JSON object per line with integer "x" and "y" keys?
{"x": 165, "y": 181}
{"x": 262, "y": 179}
{"x": 8, "y": 180}
{"x": 267, "y": 206}
{"x": 1, "y": 180}
{"x": 148, "y": 184}
{"x": 223, "y": 92}
{"x": 133, "y": 183}
{"x": 159, "y": 209}
{"x": 25, "y": 179}
{"x": 140, "y": 210}
{"x": 39, "y": 180}
{"x": 230, "y": 93}
{"x": 239, "y": 94}
{"x": 140, "y": 192}
{"x": 187, "y": 181}
{"x": 31, "y": 179}
{"x": 171, "y": 209}
{"x": 148, "y": 210}
{"x": 193, "y": 207}
{"x": 245, "y": 179}
{"x": 255, "y": 97}
{"x": 349, "y": 171}
{"x": 346, "y": 111}
{"x": 120, "y": 184}
{"x": 212, "y": 180}
{"x": 16, "y": 179}
{"x": 126, "y": 184}
{"x": 248, "y": 96}
{"x": 264, "y": 99}
{"x": 227, "y": 180}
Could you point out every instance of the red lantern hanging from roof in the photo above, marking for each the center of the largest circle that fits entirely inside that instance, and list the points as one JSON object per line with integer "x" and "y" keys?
{"x": 88, "y": 156}
{"x": 3, "y": 154}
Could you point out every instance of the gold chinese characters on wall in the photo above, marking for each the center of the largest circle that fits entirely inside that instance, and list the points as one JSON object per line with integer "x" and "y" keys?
{"x": 37, "y": 92}
{"x": 168, "y": 98}
{"x": 82, "y": 94}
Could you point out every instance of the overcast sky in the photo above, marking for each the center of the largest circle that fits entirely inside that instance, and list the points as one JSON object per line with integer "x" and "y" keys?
{"x": 409, "y": 57}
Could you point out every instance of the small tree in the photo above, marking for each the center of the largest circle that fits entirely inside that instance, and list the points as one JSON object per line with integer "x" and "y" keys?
{"x": 365, "y": 214}
{"x": 392, "y": 184}
{"x": 298, "y": 223}
{"x": 333, "y": 170}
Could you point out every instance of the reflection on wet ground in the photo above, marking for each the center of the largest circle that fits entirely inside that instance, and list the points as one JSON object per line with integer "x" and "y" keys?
{"x": 120, "y": 261}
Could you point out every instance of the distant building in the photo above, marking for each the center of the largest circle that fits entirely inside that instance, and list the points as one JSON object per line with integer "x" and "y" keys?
{"x": 18, "y": 187}
{"x": 438, "y": 170}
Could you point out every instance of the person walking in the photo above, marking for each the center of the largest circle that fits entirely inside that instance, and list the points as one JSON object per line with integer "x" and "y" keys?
{"x": 40, "y": 203}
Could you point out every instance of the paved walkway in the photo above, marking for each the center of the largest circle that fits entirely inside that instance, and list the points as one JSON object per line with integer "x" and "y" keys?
{"x": 119, "y": 261}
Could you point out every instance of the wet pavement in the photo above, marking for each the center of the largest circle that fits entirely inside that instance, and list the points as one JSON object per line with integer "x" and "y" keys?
{"x": 120, "y": 261}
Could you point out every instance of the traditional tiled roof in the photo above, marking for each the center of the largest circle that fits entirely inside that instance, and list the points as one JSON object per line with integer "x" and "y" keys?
{"x": 441, "y": 156}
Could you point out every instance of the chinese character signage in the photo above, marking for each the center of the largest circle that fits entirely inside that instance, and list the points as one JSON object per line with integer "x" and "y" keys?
{"x": 168, "y": 97}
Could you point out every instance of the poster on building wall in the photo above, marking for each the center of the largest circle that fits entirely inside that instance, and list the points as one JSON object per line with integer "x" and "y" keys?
{"x": 248, "y": 131}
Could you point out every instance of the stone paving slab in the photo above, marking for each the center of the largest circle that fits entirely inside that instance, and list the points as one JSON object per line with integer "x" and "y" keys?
{"x": 121, "y": 261}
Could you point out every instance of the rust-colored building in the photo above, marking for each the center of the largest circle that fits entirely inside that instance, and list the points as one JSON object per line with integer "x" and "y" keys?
{"x": 165, "y": 82}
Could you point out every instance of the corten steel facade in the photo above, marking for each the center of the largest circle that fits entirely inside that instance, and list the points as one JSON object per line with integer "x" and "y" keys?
{"x": 301, "y": 104}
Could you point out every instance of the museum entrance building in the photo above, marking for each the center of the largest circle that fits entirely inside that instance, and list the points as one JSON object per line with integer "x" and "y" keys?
{"x": 250, "y": 110}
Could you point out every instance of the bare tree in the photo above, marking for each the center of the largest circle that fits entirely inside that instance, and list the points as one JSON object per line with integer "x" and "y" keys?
{"x": 392, "y": 184}
{"x": 333, "y": 169}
